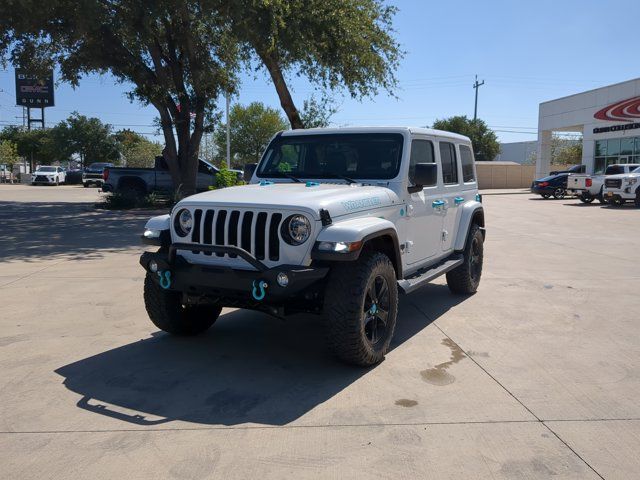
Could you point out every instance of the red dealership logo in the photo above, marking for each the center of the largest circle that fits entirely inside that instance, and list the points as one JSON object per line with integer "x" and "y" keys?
{"x": 624, "y": 111}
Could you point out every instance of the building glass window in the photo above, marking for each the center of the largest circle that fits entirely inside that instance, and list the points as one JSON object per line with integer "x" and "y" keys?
{"x": 637, "y": 149}
{"x": 599, "y": 165}
{"x": 626, "y": 146}
{"x": 601, "y": 148}
{"x": 613, "y": 146}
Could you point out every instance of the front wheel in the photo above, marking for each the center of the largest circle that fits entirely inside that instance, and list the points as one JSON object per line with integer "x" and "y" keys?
{"x": 545, "y": 196}
{"x": 168, "y": 313}
{"x": 361, "y": 308}
{"x": 466, "y": 277}
{"x": 559, "y": 193}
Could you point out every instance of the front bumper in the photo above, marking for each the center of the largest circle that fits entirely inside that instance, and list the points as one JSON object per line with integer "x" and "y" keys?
{"x": 257, "y": 285}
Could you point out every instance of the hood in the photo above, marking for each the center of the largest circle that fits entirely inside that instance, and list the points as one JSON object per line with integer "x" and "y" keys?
{"x": 623, "y": 175}
{"x": 338, "y": 199}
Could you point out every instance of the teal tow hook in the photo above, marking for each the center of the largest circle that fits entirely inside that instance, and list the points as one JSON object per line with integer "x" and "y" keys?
{"x": 165, "y": 279}
{"x": 262, "y": 286}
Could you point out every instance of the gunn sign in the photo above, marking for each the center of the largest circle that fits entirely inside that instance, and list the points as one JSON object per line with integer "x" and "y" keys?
{"x": 33, "y": 91}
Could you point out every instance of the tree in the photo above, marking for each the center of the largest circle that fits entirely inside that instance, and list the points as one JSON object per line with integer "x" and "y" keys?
{"x": 565, "y": 151}
{"x": 39, "y": 147}
{"x": 9, "y": 153}
{"x": 135, "y": 150}
{"x": 317, "y": 113}
{"x": 251, "y": 129}
{"x": 88, "y": 138}
{"x": 485, "y": 142}
{"x": 178, "y": 55}
{"x": 335, "y": 44}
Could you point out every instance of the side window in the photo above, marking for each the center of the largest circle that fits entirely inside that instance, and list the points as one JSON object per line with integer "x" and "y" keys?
{"x": 421, "y": 152}
{"x": 449, "y": 163}
{"x": 466, "y": 158}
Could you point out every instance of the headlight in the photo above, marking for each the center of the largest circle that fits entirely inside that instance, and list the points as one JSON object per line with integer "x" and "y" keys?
{"x": 296, "y": 229}
{"x": 183, "y": 222}
{"x": 632, "y": 181}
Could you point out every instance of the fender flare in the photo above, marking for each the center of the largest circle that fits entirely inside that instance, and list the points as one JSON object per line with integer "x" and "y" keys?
{"x": 472, "y": 212}
{"x": 363, "y": 229}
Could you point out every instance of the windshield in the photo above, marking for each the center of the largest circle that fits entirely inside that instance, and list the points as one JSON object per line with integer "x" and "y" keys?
{"x": 614, "y": 170}
{"x": 46, "y": 169}
{"x": 358, "y": 155}
{"x": 636, "y": 170}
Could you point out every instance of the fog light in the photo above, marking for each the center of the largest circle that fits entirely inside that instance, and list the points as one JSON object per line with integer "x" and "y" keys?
{"x": 153, "y": 266}
{"x": 282, "y": 279}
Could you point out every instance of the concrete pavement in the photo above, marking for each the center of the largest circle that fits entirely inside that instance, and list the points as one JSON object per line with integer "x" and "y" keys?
{"x": 534, "y": 376}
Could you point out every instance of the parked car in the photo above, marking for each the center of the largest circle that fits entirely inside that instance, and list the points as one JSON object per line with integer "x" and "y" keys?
{"x": 589, "y": 187}
{"x": 73, "y": 177}
{"x": 141, "y": 181}
{"x": 622, "y": 188}
{"x": 92, "y": 175}
{"x": 552, "y": 186}
{"x": 48, "y": 175}
{"x": 336, "y": 222}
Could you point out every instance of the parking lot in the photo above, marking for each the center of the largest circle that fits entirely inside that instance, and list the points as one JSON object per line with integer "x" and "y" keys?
{"x": 535, "y": 376}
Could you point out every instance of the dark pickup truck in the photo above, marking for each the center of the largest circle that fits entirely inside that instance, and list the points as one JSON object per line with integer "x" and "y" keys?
{"x": 141, "y": 181}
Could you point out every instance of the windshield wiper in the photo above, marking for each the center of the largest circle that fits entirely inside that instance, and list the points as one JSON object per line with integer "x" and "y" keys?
{"x": 295, "y": 179}
{"x": 343, "y": 177}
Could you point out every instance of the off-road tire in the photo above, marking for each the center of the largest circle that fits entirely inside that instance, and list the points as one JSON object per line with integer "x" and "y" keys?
{"x": 465, "y": 278}
{"x": 167, "y": 312}
{"x": 346, "y": 312}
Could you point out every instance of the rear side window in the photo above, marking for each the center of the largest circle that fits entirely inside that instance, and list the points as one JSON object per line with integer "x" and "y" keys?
{"x": 421, "y": 152}
{"x": 466, "y": 159}
{"x": 449, "y": 163}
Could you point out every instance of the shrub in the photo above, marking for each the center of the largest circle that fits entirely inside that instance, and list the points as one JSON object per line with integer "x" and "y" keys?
{"x": 226, "y": 178}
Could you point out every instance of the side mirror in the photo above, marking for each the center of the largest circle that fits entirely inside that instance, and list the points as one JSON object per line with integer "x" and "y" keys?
{"x": 249, "y": 169}
{"x": 425, "y": 175}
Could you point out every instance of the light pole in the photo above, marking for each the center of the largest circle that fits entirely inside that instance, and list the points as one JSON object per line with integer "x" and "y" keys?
{"x": 476, "y": 86}
{"x": 228, "y": 134}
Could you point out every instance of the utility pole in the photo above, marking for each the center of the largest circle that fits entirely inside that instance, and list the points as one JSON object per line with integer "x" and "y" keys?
{"x": 228, "y": 134}
{"x": 476, "y": 86}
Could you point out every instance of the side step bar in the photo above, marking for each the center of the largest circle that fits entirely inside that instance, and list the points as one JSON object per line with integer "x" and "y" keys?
{"x": 425, "y": 276}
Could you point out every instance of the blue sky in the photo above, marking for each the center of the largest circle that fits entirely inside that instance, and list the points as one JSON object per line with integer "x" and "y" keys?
{"x": 526, "y": 52}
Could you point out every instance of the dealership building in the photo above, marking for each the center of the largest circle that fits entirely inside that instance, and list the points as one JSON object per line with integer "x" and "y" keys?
{"x": 608, "y": 119}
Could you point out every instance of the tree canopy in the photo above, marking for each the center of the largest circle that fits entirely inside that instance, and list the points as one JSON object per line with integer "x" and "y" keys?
{"x": 485, "y": 142}
{"x": 182, "y": 56}
{"x": 135, "y": 150}
{"x": 251, "y": 129}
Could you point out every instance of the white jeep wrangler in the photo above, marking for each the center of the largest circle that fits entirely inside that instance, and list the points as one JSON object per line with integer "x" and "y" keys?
{"x": 335, "y": 222}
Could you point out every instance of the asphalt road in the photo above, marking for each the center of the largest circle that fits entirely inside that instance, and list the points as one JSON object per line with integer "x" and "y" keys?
{"x": 535, "y": 376}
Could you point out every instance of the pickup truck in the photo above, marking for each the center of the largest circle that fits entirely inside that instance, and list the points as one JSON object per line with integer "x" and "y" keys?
{"x": 619, "y": 189}
{"x": 335, "y": 222}
{"x": 141, "y": 181}
{"x": 589, "y": 187}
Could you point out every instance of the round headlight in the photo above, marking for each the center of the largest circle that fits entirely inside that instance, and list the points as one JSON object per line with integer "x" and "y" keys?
{"x": 296, "y": 229}
{"x": 184, "y": 222}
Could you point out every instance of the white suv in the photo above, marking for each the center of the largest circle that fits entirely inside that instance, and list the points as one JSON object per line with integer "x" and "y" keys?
{"x": 335, "y": 222}
{"x": 48, "y": 175}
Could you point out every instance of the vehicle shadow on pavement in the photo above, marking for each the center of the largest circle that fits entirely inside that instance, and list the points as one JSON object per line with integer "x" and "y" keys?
{"x": 36, "y": 230}
{"x": 249, "y": 368}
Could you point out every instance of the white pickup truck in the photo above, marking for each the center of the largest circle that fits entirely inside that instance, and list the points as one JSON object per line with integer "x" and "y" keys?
{"x": 335, "y": 222}
{"x": 589, "y": 187}
{"x": 619, "y": 189}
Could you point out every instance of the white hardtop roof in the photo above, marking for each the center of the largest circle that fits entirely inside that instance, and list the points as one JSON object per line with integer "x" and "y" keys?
{"x": 415, "y": 130}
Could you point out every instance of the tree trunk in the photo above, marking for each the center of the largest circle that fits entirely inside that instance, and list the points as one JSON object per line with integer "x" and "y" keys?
{"x": 283, "y": 91}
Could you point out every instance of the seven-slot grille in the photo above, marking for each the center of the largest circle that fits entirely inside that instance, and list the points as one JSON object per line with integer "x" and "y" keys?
{"x": 613, "y": 182}
{"x": 255, "y": 232}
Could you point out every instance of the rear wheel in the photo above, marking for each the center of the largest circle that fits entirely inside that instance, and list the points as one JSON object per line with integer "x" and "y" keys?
{"x": 559, "y": 193}
{"x": 361, "y": 307}
{"x": 545, "y": 196}
{"x": 466, "y": 277}
{"x": 168, "y": 313}
{"x": 586, "y": 198}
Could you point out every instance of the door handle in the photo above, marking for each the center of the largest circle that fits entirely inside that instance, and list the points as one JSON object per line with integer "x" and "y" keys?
{"x": 437, "y": 203}
{"x": 458, "y": 200}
